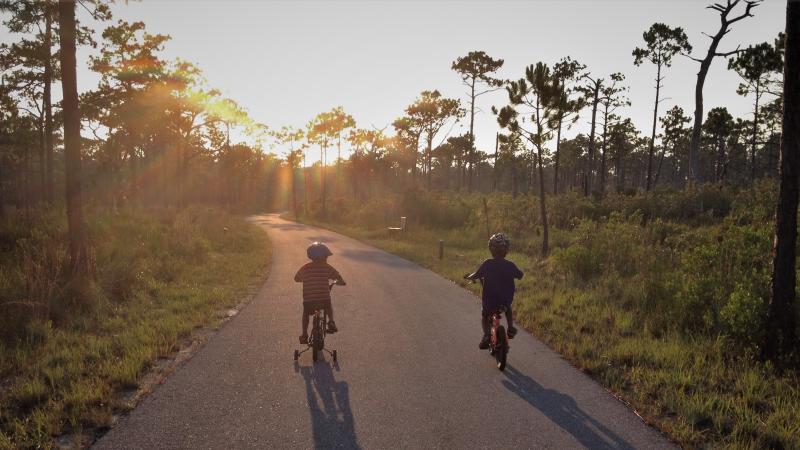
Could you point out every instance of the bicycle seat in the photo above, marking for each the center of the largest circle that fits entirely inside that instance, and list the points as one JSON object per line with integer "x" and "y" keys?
{"x": 316, "y": 307}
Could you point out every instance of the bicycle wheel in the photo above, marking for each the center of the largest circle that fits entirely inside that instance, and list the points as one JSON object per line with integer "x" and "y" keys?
{"x": 501, "y": 347}
{"x": 315, "y": 338}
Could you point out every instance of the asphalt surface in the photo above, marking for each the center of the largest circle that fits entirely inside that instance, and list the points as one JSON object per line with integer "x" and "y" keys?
{"x": 409, "y": 373}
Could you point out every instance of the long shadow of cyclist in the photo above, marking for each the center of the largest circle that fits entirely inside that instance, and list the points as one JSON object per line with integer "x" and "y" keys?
{"x": 564, "y": 412}
{"x": 329, "y": 405}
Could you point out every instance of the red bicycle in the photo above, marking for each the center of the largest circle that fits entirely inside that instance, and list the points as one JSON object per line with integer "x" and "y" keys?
{"x": 498, "y": 343}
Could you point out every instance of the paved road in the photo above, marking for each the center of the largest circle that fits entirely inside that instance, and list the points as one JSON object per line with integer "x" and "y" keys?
{"x": 409, "y": 373}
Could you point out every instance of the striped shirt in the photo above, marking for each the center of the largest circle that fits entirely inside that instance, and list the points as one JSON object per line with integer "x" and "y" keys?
{"x": 315, "y": 277}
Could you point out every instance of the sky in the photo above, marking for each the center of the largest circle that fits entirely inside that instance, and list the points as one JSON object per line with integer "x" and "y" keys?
{"x": 286, "y": 61}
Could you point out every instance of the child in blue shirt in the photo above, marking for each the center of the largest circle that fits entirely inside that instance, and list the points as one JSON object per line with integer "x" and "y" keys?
{"x": 498, "y": 275}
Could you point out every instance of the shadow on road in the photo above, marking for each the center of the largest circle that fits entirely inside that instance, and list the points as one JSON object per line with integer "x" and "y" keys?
{"x": 374, "y": 256}
{"x": 564, "y": 412}
{"x": 329, "y": 404}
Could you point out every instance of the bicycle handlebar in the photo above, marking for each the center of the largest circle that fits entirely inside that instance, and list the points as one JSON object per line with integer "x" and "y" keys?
{"x": 472, "y": 280}
{"x": 331, "y": 285}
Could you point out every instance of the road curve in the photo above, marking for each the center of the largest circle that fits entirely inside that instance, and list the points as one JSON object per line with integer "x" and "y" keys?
{"x": 409, "y": 373}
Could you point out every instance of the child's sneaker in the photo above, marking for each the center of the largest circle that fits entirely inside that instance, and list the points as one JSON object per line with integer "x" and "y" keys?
{"x": 484, "y": 342}
{"x": 512, "y": 332}
{"x": 304, "y": 339}
{"x": 332, "y": 327}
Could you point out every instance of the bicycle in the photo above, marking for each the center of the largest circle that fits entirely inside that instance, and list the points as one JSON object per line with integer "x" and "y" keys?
{"x": 319, "y": 328}
{"x": 498, "y": 342}
{"x": 498, "y": 345}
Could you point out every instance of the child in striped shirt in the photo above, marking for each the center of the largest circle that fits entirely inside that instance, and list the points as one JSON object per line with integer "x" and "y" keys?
{"x": 315, "y": 277}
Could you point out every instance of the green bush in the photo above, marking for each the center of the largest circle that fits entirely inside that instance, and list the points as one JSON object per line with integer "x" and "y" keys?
{"x": 427, "y": 208}
{"x": 615, "y": 246}
{"x": 728, "y": 273}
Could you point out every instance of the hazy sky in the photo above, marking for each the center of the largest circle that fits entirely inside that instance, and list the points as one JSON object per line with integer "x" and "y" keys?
{"x": 287, "y": 61}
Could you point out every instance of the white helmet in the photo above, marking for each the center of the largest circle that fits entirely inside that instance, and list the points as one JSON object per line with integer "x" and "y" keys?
{"x": 499, "y": 242}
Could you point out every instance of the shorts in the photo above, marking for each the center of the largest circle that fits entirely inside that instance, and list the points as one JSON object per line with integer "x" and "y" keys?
{"x": 487, "y": 308}
{"x": 310, "y": 307}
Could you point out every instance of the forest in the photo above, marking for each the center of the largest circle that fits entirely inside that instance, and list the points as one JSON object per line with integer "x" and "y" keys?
{"x": 673, "y": 246}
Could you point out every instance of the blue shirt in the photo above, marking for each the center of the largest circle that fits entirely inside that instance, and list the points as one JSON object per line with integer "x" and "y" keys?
{"x": 498, "y": 281}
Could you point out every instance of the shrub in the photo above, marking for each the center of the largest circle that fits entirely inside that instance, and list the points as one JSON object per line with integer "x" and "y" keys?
{"x": 612, "y": 247}
{"x": 728, "y": 272}
{"x": 427, "y": 208}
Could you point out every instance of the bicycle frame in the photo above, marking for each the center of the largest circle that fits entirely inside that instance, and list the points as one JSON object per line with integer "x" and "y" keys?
{"x": 497, "y": 316}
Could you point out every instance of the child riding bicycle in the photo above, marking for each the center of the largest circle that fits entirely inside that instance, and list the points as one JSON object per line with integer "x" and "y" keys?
{"x": 497, "y": 274}
{"x": 316, "y": 290}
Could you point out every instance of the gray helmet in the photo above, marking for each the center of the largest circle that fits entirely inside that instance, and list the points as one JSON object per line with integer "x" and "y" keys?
{"x": 499, "y": 242}
{"x": 318, "y": 250}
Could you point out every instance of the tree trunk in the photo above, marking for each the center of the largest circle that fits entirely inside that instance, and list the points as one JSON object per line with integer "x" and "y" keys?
{"x": 555, "y": 160}
{"x": 294, "y": 192}
{"x": 48, "y": 107}
{"x": 694, "y": 148}
{"x": 305, "y": 188}
{"x": 603, "y": 152}
{"x": 78, "y": 245}
{"x": 25, "y": 189}
{"x": 429, "y": 160}
{"x": 471, "y": 135}
{"x": 587, "y": 184}
{"x": 542, "y": 205}
{"x": 2, "y": 192}
{"x": 415, "y": 157}
{"x": 658, "y": 167}
{"x": 652, "y": 148}
{"x": 322, "y": 152}
{"x": 42, "y": 194}
{"x": 754, "y": 136}
{"x": 781, "y": 337}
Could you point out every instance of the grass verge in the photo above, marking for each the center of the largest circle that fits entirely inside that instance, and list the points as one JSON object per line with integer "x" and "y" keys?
{"x": 696, "y": 388}
{"x": 160, "y": 276}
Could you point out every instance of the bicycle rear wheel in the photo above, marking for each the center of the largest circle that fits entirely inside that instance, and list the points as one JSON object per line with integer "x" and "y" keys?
{"x": 501, "y": 347}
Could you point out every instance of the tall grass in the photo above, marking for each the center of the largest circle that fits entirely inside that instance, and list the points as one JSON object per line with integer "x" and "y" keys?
{"x": 67, "y": 353}
{"x": 668, "y": 315}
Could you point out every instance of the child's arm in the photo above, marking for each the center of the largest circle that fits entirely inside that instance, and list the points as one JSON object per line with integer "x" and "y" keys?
{"x": 334, "y": 275}
{"x": 298, "y": 277}
{"x": 479, "y": 273}
{"x": 518, "y": 274}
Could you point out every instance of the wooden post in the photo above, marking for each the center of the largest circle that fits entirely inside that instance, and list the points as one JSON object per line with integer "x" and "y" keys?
{"x": 441, "y": 249}
{"x": 403, "y": 223}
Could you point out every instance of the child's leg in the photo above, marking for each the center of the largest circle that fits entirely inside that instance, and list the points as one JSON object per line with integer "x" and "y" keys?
{"x": 486, "y": 323}
{"x": 329, "y": 311}
{"x": 510, "y": 317}
{"x": 305, "y": 323}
